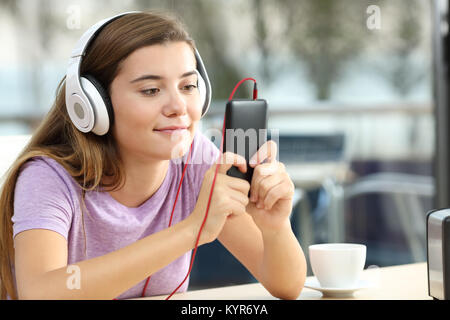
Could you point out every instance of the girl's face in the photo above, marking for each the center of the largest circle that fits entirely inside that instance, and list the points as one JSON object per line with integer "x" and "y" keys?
{"x": 156, "y": 87}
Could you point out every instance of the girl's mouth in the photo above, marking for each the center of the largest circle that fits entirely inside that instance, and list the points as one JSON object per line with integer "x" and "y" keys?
{"x": 171, "y": 131}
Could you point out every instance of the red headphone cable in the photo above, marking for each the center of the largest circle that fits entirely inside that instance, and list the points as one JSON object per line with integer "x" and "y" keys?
{"x": 173, "y": 209}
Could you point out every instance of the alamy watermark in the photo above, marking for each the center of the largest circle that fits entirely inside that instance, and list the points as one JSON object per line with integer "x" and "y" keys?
{"x": 236, "y": 139}
{"x": 74, "y": 280}
{"x": 373, "y": 21}
{"x": 73, "y": 21}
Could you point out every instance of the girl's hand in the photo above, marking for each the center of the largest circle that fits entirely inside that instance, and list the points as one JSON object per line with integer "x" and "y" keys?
{"x": 271, "y": 190}
{"x": 229, "y": 198}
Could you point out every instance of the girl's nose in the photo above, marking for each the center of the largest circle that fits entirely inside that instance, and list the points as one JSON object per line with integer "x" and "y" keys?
{"x": 175, "y": 103}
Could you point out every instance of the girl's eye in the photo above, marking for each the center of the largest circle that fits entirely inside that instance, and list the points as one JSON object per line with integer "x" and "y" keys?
{"x": 190, "y": 87}
{"x": 150, "y": 92}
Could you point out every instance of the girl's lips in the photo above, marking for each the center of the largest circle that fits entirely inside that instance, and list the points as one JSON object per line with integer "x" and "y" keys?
{"x": 171, "y": 131}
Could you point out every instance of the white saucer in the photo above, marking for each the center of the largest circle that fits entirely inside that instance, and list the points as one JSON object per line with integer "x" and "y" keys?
{"x": 313, "y": 283}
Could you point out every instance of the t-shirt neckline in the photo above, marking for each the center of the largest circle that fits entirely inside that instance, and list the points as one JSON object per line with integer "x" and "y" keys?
{"x": 161, "y": 190}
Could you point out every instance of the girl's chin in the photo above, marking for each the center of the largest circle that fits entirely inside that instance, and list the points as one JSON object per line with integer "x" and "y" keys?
{"x": 174, "y": 145}
{"x": 177, "y": 151}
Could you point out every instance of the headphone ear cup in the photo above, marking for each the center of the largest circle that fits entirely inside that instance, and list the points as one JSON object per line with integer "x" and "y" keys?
{"x": 101, "y": 103}
{"x": 203, "y": 83}
{"x": 202, "y": 90}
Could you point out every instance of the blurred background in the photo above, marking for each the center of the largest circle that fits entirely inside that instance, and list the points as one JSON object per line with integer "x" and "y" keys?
{"x": 349, "y": 87}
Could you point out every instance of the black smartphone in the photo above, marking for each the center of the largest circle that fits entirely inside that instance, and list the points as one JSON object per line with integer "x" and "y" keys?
{"x": 245, "y": 131}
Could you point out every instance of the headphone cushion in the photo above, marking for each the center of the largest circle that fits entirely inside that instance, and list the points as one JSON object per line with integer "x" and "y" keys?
{"x": 204, "y": 85}
{"x": 202, "y": 90}
{"x": 104, "y": 95}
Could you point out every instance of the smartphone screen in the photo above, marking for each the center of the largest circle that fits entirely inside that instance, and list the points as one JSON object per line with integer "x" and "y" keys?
{"x": 245, "y": 131}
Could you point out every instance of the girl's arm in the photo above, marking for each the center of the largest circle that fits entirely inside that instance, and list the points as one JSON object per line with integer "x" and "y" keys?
{"x": 41, "y": 255}
{"x": 276, "y": 260}
{"x": 42, "y": 271}
{"x": 263, "y": 239}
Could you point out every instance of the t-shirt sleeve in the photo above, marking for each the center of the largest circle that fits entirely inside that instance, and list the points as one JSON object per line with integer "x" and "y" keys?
{"x": 205, "y": 154}
{"x": 42, "y": 200}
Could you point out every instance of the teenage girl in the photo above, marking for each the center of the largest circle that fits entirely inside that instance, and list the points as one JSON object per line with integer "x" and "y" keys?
{"x": 84, "y": 216}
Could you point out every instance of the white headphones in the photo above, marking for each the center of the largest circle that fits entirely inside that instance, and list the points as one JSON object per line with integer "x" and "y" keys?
{"x": 88, "y": 103}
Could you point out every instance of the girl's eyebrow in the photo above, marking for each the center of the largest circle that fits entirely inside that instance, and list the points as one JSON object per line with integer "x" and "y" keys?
{"x": 156, "y": 77}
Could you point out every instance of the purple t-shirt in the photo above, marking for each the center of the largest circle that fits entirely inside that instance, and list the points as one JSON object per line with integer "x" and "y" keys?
{"x": 47, "y": 197}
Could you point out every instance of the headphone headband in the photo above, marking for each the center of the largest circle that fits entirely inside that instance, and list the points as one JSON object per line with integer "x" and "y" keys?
{"x": 85, "y": 100}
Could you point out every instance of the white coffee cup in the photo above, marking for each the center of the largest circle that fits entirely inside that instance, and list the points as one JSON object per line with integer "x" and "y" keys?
{"x": 337, "y": 265}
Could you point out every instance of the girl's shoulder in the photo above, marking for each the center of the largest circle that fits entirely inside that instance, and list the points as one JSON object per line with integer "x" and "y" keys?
{"x": 44, "y": 197}
{"x": 42, "y": 170}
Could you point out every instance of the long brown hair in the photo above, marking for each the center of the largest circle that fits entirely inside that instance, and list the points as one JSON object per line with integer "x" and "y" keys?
{"x": 87, "y": 157}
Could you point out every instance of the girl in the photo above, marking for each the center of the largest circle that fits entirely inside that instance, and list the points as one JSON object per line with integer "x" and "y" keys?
{"x": 86, "y": 216}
